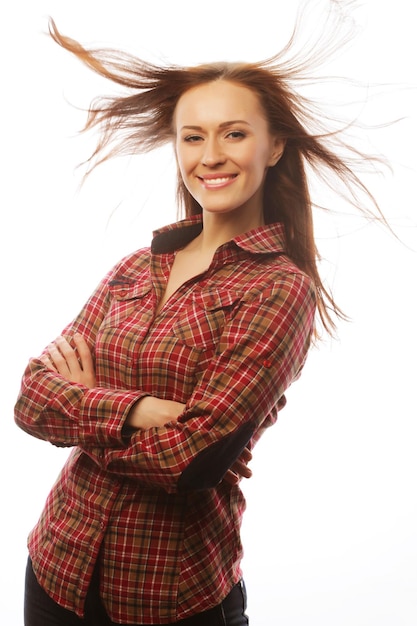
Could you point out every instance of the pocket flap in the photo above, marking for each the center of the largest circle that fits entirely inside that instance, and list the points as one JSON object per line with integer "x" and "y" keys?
{"x": 126, "y": 289}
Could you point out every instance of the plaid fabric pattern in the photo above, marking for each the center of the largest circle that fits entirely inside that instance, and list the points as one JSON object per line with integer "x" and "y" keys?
{"x": 153, "y": 507}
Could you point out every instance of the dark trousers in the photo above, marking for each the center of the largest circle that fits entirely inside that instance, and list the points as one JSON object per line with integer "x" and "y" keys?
{"x": 41, "y": 610}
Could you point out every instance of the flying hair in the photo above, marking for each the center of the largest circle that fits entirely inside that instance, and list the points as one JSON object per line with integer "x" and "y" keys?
{"x": 141, "y": 120}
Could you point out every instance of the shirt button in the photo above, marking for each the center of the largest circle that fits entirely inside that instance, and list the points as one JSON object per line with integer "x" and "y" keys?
{"x": 267, "y": 363}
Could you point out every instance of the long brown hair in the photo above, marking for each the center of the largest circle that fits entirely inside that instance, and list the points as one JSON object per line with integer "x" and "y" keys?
{"x": 143, "y": 120}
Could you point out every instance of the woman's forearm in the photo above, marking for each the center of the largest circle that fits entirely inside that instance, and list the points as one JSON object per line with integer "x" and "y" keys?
{"x": 151, "y": 412}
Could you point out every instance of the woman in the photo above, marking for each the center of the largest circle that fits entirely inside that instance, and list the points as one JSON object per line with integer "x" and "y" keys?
{"x": 181, "y": 357}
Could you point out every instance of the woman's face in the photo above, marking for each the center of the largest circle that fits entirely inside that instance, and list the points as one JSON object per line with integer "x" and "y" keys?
{"x": 224, "y": 148}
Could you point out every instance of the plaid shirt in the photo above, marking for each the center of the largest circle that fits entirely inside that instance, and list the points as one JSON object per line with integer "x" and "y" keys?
{"x": 151, "y": 505}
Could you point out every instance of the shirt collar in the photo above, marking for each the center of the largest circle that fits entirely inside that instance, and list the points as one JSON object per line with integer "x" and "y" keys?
{"x": 261, "y": 240}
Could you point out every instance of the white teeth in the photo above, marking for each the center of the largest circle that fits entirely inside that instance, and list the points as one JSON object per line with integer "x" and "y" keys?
{"x": 216, "y": 181}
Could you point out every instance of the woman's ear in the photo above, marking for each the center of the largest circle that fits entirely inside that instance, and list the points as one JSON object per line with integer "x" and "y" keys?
{"x": 277, "y": 151}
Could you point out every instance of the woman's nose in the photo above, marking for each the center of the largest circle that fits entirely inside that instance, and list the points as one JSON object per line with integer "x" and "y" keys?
{"x": 213, "y": 153}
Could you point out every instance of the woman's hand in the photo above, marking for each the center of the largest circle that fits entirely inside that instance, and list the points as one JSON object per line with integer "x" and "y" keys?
{"x": 239, "y": 468}
{"x": 76, "y": 366}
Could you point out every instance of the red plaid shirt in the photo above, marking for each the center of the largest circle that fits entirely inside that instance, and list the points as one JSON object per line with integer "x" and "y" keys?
{"x": 152, "y": 505}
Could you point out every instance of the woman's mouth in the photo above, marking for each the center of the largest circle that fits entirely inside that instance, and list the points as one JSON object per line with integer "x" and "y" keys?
{"x": 216, "y": 182}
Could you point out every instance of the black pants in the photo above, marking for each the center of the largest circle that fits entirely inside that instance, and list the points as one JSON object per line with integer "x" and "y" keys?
{"x": 41, "y": 610}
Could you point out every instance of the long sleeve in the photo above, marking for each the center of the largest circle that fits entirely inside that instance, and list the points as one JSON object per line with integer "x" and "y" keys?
{"x": 50, "y": 407}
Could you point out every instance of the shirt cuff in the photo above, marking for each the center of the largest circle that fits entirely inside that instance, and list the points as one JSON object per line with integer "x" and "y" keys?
{"x": 103, "y": 413}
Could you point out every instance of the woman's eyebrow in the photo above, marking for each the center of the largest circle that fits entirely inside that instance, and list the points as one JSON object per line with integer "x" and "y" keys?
{"x": 222, "y": 125}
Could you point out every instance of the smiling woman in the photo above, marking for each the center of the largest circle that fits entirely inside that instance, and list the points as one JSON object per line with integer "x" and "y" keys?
{"x": 181, "y": 358}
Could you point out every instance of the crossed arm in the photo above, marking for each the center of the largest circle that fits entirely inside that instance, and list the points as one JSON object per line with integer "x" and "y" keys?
{"x": 77, "y": 366}
{"x": 176, "y": 448}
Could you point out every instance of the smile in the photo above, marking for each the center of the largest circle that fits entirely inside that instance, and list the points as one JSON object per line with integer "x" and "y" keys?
{"x": 219, "y": 181}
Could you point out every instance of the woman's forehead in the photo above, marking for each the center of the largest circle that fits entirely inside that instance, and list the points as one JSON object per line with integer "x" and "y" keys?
{"x": 221, "y": 100}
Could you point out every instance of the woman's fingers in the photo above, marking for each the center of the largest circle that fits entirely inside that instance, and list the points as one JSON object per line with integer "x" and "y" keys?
{"x": 48, "y": 363}
{"x": 239, "y": 468}
{"x": 76, "y": 365}
{"x": 84, "y": 354}
{"x": 58, "y": 359}
{"x": 87, "y": 375}
{"x": 69, "y": 355}
{"x": 246, "y": 455}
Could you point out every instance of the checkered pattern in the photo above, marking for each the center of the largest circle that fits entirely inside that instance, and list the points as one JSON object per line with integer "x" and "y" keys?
{"x": 153, "y": 507}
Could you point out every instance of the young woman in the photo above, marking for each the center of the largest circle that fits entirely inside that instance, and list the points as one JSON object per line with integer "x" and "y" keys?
{"x": 180, "y": 359}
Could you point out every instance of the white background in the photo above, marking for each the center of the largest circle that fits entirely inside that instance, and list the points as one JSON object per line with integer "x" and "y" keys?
{"x": 330, "y": 530}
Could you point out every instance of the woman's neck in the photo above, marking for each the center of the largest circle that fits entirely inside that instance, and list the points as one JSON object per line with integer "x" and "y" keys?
{"x": 218, "y": 229}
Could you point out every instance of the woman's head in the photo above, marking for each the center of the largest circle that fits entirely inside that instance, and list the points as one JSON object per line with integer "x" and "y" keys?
{"x": 285, "y": 192}
{"x": 147, "y": 117}
{"x": 224, "y": 149}
{"x": 276, "y": 105}
{"x": 144, "y": 119}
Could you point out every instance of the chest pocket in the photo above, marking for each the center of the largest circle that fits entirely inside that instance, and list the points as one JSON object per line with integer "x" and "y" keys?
{"x": 200, "y": 324}
{"x": 126, "y": 297}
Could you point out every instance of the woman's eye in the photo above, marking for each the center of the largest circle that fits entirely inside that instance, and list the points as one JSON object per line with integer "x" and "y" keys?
{"x": 192, "y": 138}
{"x": 236, "y": 134}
